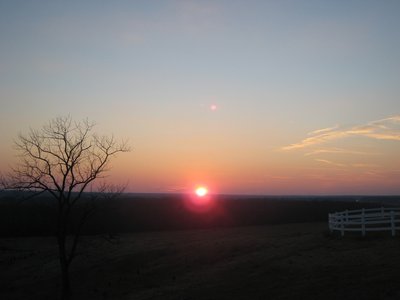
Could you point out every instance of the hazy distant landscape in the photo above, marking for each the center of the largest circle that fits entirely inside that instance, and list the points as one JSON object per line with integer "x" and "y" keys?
{"x": 155, "y": 212}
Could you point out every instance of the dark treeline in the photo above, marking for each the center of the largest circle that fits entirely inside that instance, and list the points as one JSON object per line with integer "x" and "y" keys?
{"x": 133, "y": 213}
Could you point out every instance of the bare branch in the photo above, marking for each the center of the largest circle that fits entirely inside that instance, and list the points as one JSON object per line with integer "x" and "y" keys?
{"x": 64, "y": 158}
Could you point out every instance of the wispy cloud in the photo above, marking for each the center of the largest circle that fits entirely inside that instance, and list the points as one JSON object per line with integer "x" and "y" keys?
{"x": 323, "y": 130}
{"x": 332, "y": 163}
{"x": 343, "y": 166}
{"x": 277, "y": 177}
{"x": 384, "y": 129}
{"x": 338, "y": 151}
{"x": 174, "y": 189}
{"x": 367, "y": 166}
{"x": 317, "y": 139}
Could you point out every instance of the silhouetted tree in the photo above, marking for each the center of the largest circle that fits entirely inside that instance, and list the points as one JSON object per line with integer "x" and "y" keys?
{"x": 63, "y": 158}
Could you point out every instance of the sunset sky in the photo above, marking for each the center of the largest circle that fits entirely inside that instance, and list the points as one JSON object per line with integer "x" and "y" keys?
{"x": 250, "y": 97}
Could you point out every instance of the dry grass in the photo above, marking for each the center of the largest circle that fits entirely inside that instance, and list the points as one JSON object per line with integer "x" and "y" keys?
{"x": 293, "y": 261}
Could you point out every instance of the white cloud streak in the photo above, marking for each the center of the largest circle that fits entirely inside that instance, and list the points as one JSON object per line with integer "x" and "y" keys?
{"x": 384, "y": 129}
{"x": 338, "y": 151}
{"x": 321, "y": 131}
{"x": 325, "y": 161}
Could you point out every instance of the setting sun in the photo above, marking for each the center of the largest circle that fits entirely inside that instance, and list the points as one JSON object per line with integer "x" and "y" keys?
{"x": 201, "y": 191}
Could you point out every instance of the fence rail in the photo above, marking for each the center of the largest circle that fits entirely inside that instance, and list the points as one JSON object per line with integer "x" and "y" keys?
{"x": 364, "y": 220}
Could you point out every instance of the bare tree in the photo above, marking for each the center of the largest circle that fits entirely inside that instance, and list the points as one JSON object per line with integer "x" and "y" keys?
{"x": 63, "y": 158}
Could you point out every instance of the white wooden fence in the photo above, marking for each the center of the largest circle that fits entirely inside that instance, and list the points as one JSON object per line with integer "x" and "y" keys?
{"x": 364, "y": 220}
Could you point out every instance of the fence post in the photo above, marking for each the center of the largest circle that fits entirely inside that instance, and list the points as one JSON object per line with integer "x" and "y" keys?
{"x": 341, "y": 224}
{"x": 330, "y": 223}
{"x": 363, "y": 221}
{"x": 392, "y": 225}
{"x": 347, "y": 215}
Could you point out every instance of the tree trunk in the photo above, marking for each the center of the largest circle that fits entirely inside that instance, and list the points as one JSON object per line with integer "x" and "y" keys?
{"x": 66, "y": 287}
{"x": 64, "y": 263}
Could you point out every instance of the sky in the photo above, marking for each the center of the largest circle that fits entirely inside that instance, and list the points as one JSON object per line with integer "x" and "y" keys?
{"x": 244, "y": 97}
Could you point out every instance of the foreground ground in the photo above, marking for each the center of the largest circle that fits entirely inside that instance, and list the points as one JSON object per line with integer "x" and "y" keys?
{"x": 294, "y": 261}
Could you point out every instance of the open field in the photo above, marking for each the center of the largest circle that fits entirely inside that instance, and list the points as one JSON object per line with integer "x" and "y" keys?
{"x": 159, "y": 212}
{"x": 286, "y": 261}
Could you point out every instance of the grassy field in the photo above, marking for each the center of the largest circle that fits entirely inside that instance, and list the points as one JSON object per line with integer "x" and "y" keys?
{"x": 286, "y": 261}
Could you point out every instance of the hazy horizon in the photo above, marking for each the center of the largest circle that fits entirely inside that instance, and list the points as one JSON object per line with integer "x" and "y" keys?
{"x": 243, "y": 97}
